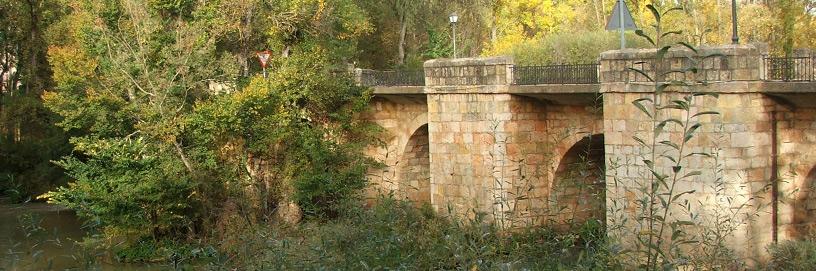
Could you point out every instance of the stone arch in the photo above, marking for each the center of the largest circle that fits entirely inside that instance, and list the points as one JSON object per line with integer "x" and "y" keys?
{"x": 402, "y": 134}
{"x": 577, "y": 192}
{"x": 399, "y": 125}
{"x": 413, "y": 180}
{"x": 804, "y": 208}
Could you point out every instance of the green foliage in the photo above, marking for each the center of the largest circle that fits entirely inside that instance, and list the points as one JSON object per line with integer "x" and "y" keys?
{"x": 25, "y": 155}
{"x": 122, "y": 90}
{"x": 297, "y": 26}
{"x": 304, "y": 119}
{"x": 129, "y": 186}
{"x": 28, "y": 138}
{"x": 563, "y": 48}
{"x": 397, "y": 235}
{"x": 329, "y": 180}
{"x": 793, "y": 256}
{"x": 172, "y": 7}
{"x": 666, "y": 222}
{"x": 164, "y": 139}
{"x": 164, "y": 252}
{"x": 439, "y": 45}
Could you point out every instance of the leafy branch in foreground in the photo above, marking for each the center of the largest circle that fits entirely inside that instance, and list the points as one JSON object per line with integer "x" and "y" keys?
{"x": 666, "y": 221}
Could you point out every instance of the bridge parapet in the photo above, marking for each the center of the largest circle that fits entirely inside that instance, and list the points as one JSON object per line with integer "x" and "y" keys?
{"x": 714, "y": 64}
{"x": 390, "y": 78}
{"x": 469, "y": 71}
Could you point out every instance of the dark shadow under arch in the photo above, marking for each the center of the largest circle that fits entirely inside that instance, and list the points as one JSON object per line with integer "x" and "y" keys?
{"x": 579, "y": 193}
{"x": 804, "y": 209}
{"x": 414, "y": 168}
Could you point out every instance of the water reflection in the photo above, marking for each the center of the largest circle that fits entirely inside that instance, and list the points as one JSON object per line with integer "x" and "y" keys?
{"x": 40, "y": 236}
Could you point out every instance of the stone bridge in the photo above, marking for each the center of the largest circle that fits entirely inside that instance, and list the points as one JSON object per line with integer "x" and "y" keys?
{"x": 552, "y": 144}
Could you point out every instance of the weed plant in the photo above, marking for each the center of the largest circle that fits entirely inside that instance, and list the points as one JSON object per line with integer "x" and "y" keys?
{"x": 667, "y": 221}
{"x": 793, "y": 256}
{"x": 396, "y": 235}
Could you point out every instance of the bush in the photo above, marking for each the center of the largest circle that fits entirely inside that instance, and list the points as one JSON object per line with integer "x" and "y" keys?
{"x": 793, "y": 255}
{"x": 303, "y": 124}
{"x": 397, "y": 235}
{"x": 128, "y": 187}
{"x": 565, "y": 48}
{"x": 25, "y": 159}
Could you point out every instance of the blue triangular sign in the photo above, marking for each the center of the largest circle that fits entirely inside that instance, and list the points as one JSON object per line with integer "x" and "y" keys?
{"x": 614, "y": 20}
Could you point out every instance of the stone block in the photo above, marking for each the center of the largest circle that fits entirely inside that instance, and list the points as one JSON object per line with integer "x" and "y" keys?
{"x": 742, "y": 139}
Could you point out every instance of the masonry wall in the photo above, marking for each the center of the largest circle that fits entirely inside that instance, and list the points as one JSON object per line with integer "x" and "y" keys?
{"x": 466, "y": 144}
{"x": 730, "y": 183}
{"x": 728, "y": 63}
{"x": 797, "y": 163}
{"x": 497, "y": 153}
{"x": 737, "y": 175}
{"x": 561, "y": 192}
{"x": 413, "y": 171}
{"x": 401, "y": 118}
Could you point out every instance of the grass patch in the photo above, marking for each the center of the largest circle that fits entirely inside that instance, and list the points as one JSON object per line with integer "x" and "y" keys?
{"x": 793, "y": 255}
{"x": 397, "y": 235}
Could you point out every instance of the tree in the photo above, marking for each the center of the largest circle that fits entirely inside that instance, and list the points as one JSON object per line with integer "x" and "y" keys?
{"x": 167, "y": 133}
{"x": 28, "y": 140}
{"x": 787, "y": 18}
{"x": 124, "y": 84}
{"x": 406, "y": 10}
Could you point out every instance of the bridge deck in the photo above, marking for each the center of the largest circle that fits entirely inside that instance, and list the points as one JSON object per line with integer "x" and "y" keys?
{"x": 791, "y": 79}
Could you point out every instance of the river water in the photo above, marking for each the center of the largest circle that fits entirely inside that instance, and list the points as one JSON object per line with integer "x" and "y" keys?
{"x": 40, "y": 236}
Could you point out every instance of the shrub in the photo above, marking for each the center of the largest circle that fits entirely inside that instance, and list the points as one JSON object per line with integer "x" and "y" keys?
{"x": 129, "y": 187}
{"x": 564, "y": 48}
{"x": 295, "y": 136}
{"x": 793, "y": 255}
{"x": 397, "y": 235}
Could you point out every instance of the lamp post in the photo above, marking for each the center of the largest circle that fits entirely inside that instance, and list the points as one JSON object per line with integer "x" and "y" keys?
{"x": 453, "y": 20}
{"x": 734, "y": 36}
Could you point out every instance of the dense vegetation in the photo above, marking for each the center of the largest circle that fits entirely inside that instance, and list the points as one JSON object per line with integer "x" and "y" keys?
{"x": 150, "y": 119}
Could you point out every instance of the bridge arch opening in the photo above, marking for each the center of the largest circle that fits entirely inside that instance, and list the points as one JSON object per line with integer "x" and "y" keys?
{"x": 804, "y": 208}
{"x": 413, "y": 170}
{"x": 578, "y": 193}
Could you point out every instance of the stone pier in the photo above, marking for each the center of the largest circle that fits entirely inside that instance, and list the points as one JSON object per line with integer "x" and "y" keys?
{"x": 473, "y": 140}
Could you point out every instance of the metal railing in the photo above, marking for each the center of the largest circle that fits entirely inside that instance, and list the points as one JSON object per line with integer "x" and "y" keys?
{"x": 371, "y": 78}
{"x": 556, "y": 74}
{"x": 789, "y": 69}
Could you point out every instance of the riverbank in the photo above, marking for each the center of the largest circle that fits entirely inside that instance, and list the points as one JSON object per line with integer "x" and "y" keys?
{"x": 41, "y": 236}
{"x": 390, "y": 235}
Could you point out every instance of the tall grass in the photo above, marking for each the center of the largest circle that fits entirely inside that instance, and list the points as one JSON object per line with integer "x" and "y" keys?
{"x": 397, "y": 235}
{"x": 793, "y": 256}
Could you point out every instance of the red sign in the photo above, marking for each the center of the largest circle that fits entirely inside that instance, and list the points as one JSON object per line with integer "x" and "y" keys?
{"x": 264, "y": 57}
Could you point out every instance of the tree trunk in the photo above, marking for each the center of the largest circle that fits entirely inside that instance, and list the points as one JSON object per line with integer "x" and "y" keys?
{"x": 5, "y": 65}
{"x": 285, "y": 52}
{"x": 720, "y": 33}
{"x": 32, "y": 78}
{"x": 246, "y": 33}
{"x": 14, "y": 77}
{"x": 401, "y": 45}
{"x": 603, "y": 14}
{"x": 494, "y": 29}
{"x": 598, "y": 12}
{"x": 183, "y": 157}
